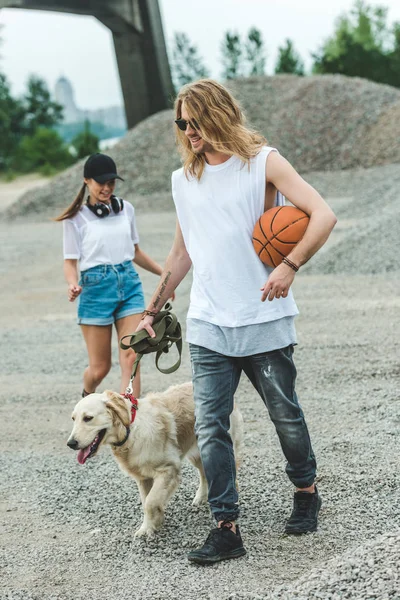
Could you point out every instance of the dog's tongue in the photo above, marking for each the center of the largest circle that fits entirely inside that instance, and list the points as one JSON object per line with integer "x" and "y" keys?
{"x": 82, "y": 455}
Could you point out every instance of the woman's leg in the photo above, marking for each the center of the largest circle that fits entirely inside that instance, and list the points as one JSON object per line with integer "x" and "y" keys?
{"x": 98, "y": 343}
{"x": 125, "y": 326}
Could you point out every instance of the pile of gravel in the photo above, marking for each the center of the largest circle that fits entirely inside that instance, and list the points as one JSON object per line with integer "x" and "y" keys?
{"x": 319, "y": 123}
{"x": 145, "y": 158}
{"x": 367, "y": 572}
{"x": 369, "y": 218}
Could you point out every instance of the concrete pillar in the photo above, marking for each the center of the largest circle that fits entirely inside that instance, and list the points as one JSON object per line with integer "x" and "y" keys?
{"x": 139, "y": 46}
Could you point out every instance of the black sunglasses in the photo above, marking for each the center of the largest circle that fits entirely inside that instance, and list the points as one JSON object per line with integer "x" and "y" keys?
{"x": 182, "y": 124}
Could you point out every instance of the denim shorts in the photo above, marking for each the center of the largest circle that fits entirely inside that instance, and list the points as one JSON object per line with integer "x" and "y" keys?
{"x": 109, "y": 293}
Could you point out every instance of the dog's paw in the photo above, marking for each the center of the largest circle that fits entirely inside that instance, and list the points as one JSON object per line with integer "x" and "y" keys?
{"x": 144, "y": 532}
{"x": 199, "y": 500}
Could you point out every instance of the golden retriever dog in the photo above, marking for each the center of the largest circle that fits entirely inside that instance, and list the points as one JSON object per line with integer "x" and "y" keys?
{"x": 152, "y": 448}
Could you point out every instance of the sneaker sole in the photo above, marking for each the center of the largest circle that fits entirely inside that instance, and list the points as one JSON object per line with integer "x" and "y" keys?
{"x": 209, "y": 560}
{"x": 302, "y": 531}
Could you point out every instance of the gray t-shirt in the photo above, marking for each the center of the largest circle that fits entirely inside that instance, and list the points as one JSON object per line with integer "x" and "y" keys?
{"x": 242, "y": 341}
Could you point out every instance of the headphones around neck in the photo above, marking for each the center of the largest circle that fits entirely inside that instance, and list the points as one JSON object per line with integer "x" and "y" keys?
{"x": 102, "y": 209}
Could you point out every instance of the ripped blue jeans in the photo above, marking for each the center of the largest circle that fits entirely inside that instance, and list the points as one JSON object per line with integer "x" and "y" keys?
{"x": 215, "y": 379}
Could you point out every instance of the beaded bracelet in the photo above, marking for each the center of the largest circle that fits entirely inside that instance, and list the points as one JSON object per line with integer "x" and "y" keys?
{"x": 290, "y": 264}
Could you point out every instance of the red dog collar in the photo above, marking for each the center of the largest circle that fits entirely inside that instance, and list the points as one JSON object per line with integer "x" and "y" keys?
{"x": 134, "y": 405}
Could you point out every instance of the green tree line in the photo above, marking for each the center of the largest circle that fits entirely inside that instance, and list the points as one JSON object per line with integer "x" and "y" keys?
{"x": 28, "y": 138}
{"x": 363, "y": 44}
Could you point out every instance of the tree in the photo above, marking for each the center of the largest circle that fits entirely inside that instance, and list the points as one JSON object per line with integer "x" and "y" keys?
{"x": 12, "y": 114}
{"x": 255, "y": 52}
{"x": 355, "y": 61}
{"x": 289, "y": 60}
{"x": 232, "y": 56}
{"x": 362, "y": 45}
{"x": 394, "y": 55}
{"x": 85, "y": 142}
{"x": 21, "y": 118}
{"x": 40, "y": 109}
{"x": 44, "y": 150}
{"x": 187, "y": 65}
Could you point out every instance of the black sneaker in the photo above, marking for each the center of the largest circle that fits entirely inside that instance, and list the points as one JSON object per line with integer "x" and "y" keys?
{"x": 304, "y": 517}
{"x": 221, "y": 544}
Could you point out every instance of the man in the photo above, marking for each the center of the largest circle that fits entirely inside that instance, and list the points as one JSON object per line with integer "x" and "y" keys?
{"x": 229, "y": 178}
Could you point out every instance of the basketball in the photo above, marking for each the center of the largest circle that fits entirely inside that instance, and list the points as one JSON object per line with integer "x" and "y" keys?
{"x": 277, "y": 232}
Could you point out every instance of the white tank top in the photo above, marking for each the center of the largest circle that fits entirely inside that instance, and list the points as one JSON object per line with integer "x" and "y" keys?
{"x": 217, "y": 216}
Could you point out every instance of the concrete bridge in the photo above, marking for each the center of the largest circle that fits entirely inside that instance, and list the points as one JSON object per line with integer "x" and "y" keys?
{"x": 139, "y": 46}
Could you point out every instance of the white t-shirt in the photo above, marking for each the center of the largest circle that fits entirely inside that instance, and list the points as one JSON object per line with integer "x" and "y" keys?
{"x": 217, "y": 216}
{"x": 97, "y": 241}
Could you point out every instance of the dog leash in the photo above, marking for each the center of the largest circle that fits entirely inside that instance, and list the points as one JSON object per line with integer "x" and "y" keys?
{"x": 168, "y": 332}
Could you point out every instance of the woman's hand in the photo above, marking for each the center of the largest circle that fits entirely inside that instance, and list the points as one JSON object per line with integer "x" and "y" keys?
{"x": 172, "y": 297}
{"x": 278, "y": 283}
{"x": 73, "y": 291}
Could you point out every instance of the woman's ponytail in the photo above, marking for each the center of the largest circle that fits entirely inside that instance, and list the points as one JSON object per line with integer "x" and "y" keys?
{"x": 75, "y": 207}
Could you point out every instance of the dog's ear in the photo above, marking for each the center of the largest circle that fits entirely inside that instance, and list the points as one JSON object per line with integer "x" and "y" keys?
{"x": 118, "y": 407}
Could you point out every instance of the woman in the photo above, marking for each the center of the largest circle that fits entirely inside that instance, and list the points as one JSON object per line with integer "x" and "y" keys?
{"x": 100, "y": 235}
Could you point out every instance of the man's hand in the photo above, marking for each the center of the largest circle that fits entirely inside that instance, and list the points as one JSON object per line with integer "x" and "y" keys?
{"x": 146, "y": 323}
{"x": 73, "y": 291}
{"x": 278, "y": 283}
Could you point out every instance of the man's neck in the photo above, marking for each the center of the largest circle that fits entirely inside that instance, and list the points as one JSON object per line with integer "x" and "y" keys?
{"x": 216, "y": 158}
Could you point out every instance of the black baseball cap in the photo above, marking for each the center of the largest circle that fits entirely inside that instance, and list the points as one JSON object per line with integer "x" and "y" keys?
{"x": 101, "y": 168}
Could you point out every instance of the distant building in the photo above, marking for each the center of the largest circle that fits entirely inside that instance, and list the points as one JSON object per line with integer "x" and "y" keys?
{"x": 64, "y": 95}
{"x": 113, "y": 116}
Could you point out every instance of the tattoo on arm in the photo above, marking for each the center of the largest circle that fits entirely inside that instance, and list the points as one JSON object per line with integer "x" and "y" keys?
{"x": 162, "y": 290}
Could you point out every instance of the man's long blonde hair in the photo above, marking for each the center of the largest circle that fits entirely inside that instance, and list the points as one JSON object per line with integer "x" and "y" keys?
{"x": 221, "y": 124}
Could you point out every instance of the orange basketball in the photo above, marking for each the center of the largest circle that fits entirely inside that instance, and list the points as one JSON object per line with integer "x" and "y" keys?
{"x": 277, "y": 232}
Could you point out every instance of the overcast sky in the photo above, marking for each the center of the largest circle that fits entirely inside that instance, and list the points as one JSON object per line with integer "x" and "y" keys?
{"x": 81, "y": 48}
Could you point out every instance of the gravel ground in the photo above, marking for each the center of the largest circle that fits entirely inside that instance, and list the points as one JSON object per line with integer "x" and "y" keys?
{"x": 324, "y": 123}
{"x": 10, "y": 191}
{"x": 67, "y": 530}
